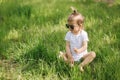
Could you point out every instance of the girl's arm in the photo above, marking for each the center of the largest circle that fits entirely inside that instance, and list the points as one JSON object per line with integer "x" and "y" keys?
{"x": 84, "y": 47}
{"x": 68, "y": 52}
{"x": 68, "y": 49}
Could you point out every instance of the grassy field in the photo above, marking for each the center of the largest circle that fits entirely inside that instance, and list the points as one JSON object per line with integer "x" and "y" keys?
{"x": 32, "y": 34}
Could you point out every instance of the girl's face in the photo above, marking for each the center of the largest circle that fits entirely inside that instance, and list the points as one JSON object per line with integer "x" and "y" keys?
{"x": 73, "y": 27}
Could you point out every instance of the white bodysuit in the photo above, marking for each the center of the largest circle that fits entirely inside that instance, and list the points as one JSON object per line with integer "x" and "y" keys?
{"x": 76, "y": 42}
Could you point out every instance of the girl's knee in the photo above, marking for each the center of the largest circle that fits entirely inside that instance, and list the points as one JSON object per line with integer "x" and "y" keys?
{"x": 93, "y": 54}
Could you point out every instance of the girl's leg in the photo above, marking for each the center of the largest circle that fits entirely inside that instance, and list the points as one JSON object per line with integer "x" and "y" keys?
{"x": 87, "y": 59}
{"x": 64, "y": 56}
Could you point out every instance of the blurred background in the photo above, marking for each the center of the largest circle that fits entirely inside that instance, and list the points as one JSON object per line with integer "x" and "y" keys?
{"x": 32, "y": 34}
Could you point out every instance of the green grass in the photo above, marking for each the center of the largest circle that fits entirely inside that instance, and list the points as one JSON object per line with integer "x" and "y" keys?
{"x": 32, "y": 34}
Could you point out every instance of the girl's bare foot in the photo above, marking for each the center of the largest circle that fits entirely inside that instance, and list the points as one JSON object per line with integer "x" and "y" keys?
{"x": 81, "y": 68}
{"x": 71, "y": 65}
{"x": 60, "y": 54}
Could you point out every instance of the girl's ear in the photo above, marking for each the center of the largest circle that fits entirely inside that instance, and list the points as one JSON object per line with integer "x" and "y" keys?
{"x": 80, "y": 25}
{"x": 79, "y": 22}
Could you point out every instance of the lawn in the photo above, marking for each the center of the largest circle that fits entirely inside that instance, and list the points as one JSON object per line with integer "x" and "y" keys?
{"x": 32, "y": 34}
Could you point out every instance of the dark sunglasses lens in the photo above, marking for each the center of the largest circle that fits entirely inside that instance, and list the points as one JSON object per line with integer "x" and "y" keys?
{"x": 71, "y": 26}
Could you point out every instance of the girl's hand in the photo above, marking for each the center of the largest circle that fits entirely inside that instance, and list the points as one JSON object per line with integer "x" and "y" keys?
{"x": 76, "y": 50}
{"x": 71, "y": 60}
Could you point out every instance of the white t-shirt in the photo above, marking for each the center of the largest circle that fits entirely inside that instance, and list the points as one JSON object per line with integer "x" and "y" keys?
{"x": 76, "y": 42}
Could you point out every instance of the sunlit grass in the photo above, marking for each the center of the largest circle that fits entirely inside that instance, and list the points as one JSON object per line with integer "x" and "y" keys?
{"x": 32, "y": 34}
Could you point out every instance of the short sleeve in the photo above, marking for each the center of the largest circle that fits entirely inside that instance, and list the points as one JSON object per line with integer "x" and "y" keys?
{"x": 85, "y": 36}
{"x": 67, "y": 37}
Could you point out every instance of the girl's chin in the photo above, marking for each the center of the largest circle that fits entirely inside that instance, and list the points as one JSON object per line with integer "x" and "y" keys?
{"x": 75, "y": 31}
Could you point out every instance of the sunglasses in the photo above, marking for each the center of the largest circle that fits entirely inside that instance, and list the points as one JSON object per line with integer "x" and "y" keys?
{"x": 70, "y": 26}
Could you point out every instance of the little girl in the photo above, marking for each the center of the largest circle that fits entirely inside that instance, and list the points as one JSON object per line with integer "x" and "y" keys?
{"x": 77, "y": 42}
